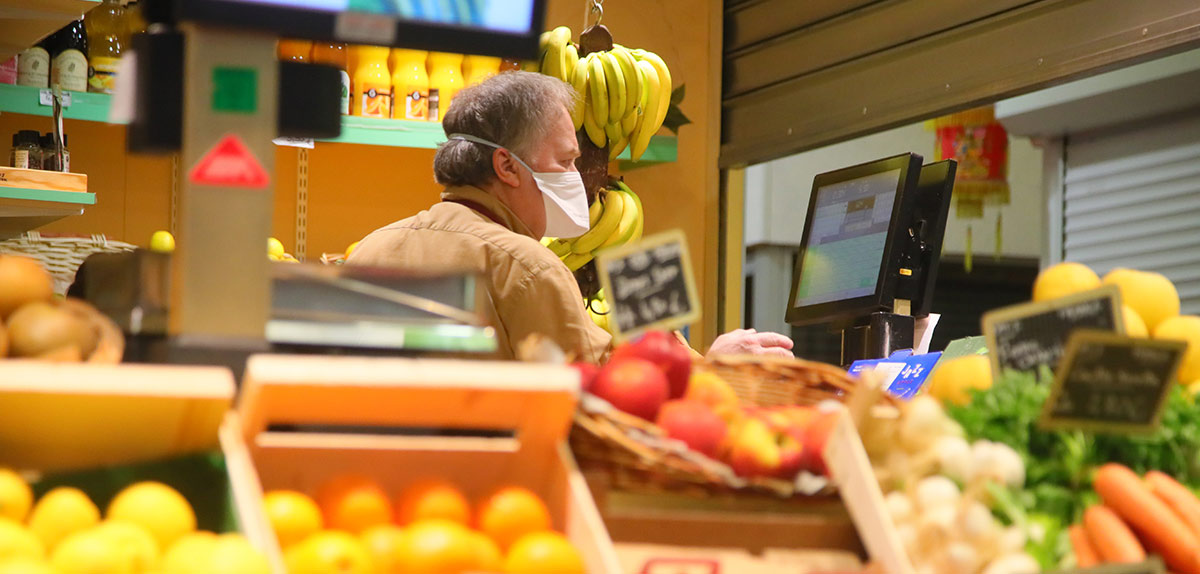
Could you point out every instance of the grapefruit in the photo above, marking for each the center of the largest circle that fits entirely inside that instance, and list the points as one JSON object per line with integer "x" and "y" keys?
{"x": 1063, "y": 279}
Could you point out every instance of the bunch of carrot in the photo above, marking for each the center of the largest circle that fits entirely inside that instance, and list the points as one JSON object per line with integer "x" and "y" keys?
{"x": 1155, "y": 513}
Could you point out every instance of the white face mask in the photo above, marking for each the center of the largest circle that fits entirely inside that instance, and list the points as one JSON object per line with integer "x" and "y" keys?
{"x": 563, "y": 195}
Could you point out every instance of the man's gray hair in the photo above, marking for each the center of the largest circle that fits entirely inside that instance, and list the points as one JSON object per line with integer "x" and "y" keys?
{"x": 512, "y": 109}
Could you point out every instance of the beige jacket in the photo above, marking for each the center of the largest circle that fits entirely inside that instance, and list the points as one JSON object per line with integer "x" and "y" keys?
{"x": 531, "y": 290}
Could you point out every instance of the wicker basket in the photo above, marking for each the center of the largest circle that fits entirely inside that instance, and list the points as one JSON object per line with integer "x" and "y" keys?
{"x": 632, "y": 454}
{"x": 61, "y": 255}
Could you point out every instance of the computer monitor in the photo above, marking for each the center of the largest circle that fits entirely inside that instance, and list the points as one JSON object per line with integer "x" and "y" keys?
{"x": 848, "y": 260}
{"x": 921, "y": 239}
{"x": 506, "y": 28}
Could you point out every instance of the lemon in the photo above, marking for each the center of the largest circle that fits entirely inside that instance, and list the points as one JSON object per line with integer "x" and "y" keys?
{"x": 139, "y": 548}
{"x": 90, "y": 552}
{"x": 189, "y": 554}
{"x": 1063, "y": 279}
{"x": 162, "y": 242}
{"x": 1152, "y": 295}
{"x": 61, "y": 512}
{"x": 275, "y": 247}
{"x": 950, "y": 380}
{"x": 158, "y": 508}
{"x": 293, "y": 516}
{"x": 15, "y": 496}
{"x": 16, "y": 542}
{"x": 26, "y": 566}
{"x": 350, "y": 248}
{"x": 233, "y": 554}
{"x": 329, "y": 551}
{"x": 1184, "y": 328}
{"x": 1134, "y": 325}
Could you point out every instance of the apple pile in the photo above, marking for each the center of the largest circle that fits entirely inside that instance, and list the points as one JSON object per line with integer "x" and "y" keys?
{"x": 652, "y": 379}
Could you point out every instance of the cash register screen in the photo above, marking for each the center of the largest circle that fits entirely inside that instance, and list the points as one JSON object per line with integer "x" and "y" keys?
{"x": 848, "y": 239}
{"x": 513, "y": 16}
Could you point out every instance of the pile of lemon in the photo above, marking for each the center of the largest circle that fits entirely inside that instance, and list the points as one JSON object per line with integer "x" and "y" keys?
{"x": 148, "y": 528}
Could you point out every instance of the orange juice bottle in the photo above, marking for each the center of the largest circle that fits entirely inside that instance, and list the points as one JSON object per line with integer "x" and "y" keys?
{"x": 372, "y": 83}
{"x": 410, "y": 83}
{"x": 479, "y": 68}
{"x": 334, "y": 54}
{"x": 293, "y": 50}
{"x": 445, "y": 80}
{"x": 510, "y": 65}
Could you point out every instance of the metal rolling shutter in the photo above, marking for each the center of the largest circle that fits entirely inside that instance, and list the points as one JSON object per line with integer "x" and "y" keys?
{"x": 1132, "y": 199}
{"x": 800, "y": 74}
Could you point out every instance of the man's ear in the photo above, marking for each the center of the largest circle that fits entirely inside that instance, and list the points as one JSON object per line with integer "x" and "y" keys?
{"x": 506, "y": 168}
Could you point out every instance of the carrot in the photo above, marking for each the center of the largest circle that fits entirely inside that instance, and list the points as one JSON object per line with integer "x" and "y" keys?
{"x": 1085, "y": 553}
{"x": 1110, "y": 538}
{"x": 1177, "y": 497}
{"x": 1126, "y": 494}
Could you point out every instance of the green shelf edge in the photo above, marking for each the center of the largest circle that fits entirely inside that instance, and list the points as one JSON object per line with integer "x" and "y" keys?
{"x": 48, "y": 195}
{"x": 355, "y": 130}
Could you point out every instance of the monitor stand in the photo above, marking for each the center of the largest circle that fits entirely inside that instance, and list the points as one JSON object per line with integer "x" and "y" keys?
{"x": 877, "y": 336}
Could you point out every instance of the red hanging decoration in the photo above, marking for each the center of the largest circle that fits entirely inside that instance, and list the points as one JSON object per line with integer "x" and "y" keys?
{"x": 980, "y": 146}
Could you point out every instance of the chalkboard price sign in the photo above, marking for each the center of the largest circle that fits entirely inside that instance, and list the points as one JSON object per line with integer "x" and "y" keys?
{"x": 1026, "y": 337}
{"x": 649, "y": 285}
{"x": 1110, "y": 382}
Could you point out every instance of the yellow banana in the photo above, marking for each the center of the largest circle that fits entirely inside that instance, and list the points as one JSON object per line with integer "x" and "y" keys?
{"x": 579, "y": 81}
{"x": 599, "y": 233}
{"x": 594, "y": 132}
{"x": 629, "y": 123}
{"x": 560, "y": 247}
{"x": 615, "y": 80}
{"x": 618, "y": 146}
{"x": 641, "y": 215}
{"x": 633, "y": 80}
{"x": 646, "y": 127}
{"x": 552, "y": 62}
{"x": 625, "y": 227}
{"x": 613, "y": 131}
{"x": 599, "y": 90}
{"x": 570, "y": 58}
{"x": 543, "y": 44}
{"x": 595, "y": 210}
{"x": 664, "y": 83}
{"x": 576, "y": 260}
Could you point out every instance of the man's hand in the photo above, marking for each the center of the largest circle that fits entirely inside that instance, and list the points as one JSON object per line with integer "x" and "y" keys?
{"x": 751, "y": 342}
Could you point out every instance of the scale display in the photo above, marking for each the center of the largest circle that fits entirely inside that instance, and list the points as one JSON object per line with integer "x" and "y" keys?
{"x": 514, "y": 16}
{"x": 849, "y": 236}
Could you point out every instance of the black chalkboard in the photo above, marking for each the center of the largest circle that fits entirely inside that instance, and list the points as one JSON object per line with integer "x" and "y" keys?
{"x": 1026, "y": 337}
{"x": 649, "y": 285}
{"x": 1111, "y": 382}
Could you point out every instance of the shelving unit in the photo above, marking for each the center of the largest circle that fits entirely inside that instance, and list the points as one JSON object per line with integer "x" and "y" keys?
{"x": 24, "y": 23}
{"x": 24, "y": 209}
{"x": 355, "y": 130}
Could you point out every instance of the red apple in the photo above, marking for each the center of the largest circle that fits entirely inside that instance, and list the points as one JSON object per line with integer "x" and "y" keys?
{"x": 789, "y": 437}
{"x": 665, "y": 351}
{"x": 632, "y": 385}
{"x": 815, "y": 437}
{"x": 753, "y": 449}
{"x": 587, "y": 375}
{"x": 791, "y": 456}
{"x": 693, "y": 423}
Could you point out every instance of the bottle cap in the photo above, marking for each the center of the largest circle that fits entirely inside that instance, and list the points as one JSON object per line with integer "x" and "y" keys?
{"x": 29, "y": 137}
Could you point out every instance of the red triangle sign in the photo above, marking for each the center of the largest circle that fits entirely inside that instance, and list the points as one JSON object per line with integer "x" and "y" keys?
{"x": 229, "y": 164}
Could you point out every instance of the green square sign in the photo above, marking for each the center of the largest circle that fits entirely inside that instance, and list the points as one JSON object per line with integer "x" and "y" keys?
{"x": 235, "y": 90}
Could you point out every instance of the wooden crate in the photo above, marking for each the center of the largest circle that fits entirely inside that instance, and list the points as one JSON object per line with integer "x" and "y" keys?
{"x": 302, "y": 420}
{"x": 42, "y": 179}
{"x": 101, "y": 427}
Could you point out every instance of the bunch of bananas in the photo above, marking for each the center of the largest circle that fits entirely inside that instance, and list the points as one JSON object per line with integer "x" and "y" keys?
{"x": 616, "y": 219}
{"x": 599, "y": 311}
{"x": 624, "y": 94}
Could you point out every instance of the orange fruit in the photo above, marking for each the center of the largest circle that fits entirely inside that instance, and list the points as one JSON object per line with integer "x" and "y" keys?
{"x": 436, "y": 547}
{"x": 353, "y": 503}
{"x": 511, "y": 513}
{"x": 383, "y": 542}
{"x": 543, "y": 553}
{"x": 429, "y": 499}
{"x": 487, "y": 555}
{"x": 293, "y": 516}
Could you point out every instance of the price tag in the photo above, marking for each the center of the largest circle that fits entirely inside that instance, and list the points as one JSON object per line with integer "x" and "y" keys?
{"x": 1112, "y": 383}
{"x": 46, "y": 98}
{"x": 305, "y": 143}
{"x": 649, "y": 285}
{"x": 1025, "y": 337}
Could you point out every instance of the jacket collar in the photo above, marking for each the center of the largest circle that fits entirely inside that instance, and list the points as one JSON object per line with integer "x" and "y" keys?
{"x": 474, "y": 195}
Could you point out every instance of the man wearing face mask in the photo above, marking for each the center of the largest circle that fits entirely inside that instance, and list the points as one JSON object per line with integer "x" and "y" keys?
{"x": 509, "y": 169}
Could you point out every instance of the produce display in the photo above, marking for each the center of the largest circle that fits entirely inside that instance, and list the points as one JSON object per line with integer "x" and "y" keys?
{"x": 616, "y": 219}
{"x": 38, "y": 325}
{"x": 352, "y": 526}
{"x": 148, "y": 527}
{"x": 624, "y": 93}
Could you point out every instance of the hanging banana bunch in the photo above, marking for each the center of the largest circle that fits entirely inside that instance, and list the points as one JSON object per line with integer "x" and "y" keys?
{"x": 616, "y": 219}
{"x": 624, "y": 94}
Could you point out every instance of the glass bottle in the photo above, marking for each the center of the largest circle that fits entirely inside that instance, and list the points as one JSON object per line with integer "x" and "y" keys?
{"x": 334, "y": 54}
{"x": 105, "y": 30}
{"x": 68, "y": 57}
{"x": 26, "y": 153}
{"x": 294, "y": 50}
